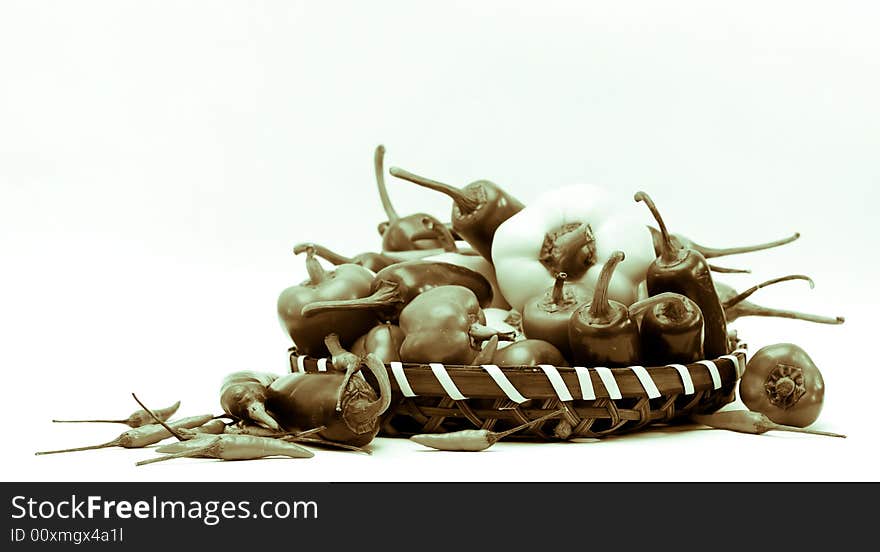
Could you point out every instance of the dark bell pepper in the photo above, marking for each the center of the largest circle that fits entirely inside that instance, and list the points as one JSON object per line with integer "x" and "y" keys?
{"x": 413, "y": 232}
{"x": 602, "y": 332}
{"x": 526, "y": 352}
{"x": 347, "y": 281}
{"x": 395, "y": 286}
{"x": 686, "y": 271}
{"x": 478, "y": 209}
{"x": 546, "y": 316}
{"x": 383, "y": 341}
{"x": 671, "y": 329}
{"x": 444, "y": 324}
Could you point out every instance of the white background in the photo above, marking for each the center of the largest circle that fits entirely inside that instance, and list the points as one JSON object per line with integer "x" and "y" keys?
{"x": 158, "y": 160}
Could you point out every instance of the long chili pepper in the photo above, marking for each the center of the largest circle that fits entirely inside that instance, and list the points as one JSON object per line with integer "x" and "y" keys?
{"x": 735, "y": 305}
{"x": 143, "y": 436}
{"x": 188, "y": 444}
{"x": 237, "y": 447}
{"x": 214, "y": 427}
{"x": 479, "y": 208}
{"x": 473, "y": 440}
{"x": 686, "y": 271}
{"x": 136, "y": 419}
{"x": 746, "y": 421}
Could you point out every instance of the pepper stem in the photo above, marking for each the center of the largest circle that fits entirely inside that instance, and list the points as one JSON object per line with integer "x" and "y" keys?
{"x": 726, "y": 270}
{"x": 669, "y": 252}
{"x": 558, "y": 288}
{"x": 746, "y": 308}
{"x": 112, "y": 443}
{"x": 324, "y": 253}
{"x": 386, "y": 295}
{"x": 378, "y": 164}
{"x": 742, "y": 296}
{"x": 711, "y": 252}
{"x": 495, "y": 436}
{"x": 466, "y": 204}
{"x": 481, "y": 332}
{"x": 159, "y": 420}
{"x": 678, "y": 301}
{"x": 90, "y": 421}
{"x": 599, "y": 307}
{"x": 317, "y": 274}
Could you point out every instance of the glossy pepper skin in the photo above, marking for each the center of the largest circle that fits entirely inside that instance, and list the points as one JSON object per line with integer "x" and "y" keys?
{"x": 671, "y": 331}
{"x": 444, "y": 324}
{"x": 383, "y": 341}
{"x": 782, "y": 382}
{"x": 418, "y": 231}
{"x": 546, "y": 316}
{"x": 528, "y": 352}
{"x": 602, "y": 332}
{"x": 478, "y": 209}
{"x": 572, "y": 229}
{"x": 347, "y": 281}
{"x": 686, "y": 272}
{"x": 395, "y": 286}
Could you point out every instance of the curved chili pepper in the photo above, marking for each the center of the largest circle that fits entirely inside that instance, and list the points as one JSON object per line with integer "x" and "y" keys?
{"x": 443, "y": 324}
{"x": 602, "y": 332}
{"x": 395, "y": 286}
{"x": 546, "y": 316}
{"x": 369, "y": 260}
{"x": 416, "y": 231}
{"x": 347, "y": 281}
{"x": 478, "y": 209}
{"x": 686, "y": 271}
{"x": 682, "y": 242}
{"x": 736, "y": 306}
{"x": 670, "y": 328}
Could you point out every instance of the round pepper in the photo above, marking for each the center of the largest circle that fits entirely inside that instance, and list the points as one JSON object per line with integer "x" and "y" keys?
{"x": 573, "y": 229}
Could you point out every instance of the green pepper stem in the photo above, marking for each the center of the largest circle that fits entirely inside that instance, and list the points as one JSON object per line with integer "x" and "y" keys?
{"x": 725, "y": 270}
{"x": 711, "y": 252}
{"x": 495, "y": 436}
{"x": 324, "y": 253}
{"x": 558, "y": 288}
{"x": 112, "y": 443}
{"x": 89, "y": 421}
{"x": 481, "y": 332}
{"x": 386, "y": 295}
{"x": 466, "y": 204}
{"x": 378, "y": 163}
{"x": 640, "y": 307}
{"x": 159, "y": 420}
{"x": 742, "y": 296}
{"x": 746, "y": 308}
{"x": 669, "y": 252}
{"x": 599, "y": 307}
{"x": 317, "y": 274}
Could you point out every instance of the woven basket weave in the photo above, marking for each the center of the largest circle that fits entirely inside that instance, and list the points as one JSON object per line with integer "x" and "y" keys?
{"x": 598, "y": 402}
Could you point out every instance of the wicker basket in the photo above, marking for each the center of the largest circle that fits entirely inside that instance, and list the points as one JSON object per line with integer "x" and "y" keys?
{"x": 598, "y": 402}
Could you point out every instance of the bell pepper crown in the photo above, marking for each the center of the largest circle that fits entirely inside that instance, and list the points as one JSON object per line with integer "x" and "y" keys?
{"x": 602, "y": 332}
{"x": 687, "y": 272}
{"x": 346, "y": 281}
{"x": 478, "y": 209}
{"x": 573, "y": 229}
{"x": 736, "y": 306}
{"x": 546, "y": 315}
{"x": 444, "y": 324}
{"x": 395, "y": 286}
{"x": 413, "y": 232}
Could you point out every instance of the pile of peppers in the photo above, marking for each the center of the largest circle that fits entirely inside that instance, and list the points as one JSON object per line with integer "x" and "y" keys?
{"x": 581, "y": 275}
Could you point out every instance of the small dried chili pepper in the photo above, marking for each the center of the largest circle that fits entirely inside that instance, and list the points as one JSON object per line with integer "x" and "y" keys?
{"x": 136, "y": 419}
{"x": 602, "y": 332}
{"x": 236, "y": 447}
{"x": 143, "y": 436}
{"x": 682, "y": 242}
{"x": 243, "y": 397}
{"x": 347, "y": 281}
{"x": 546, "y": 316}
{"x": 782, "y": 382}
{"x": 214, "y": 427}
{"x": 369, "y": 260}
{"x": 755, "y": 423}
{"x": 418, "y": 231}
{"x": 474, "y": 440}
{"x": 478, "y": 209}
{"x": 736, "y": 306}
{"x": 670, "y": 329}
{"x": 443, "y": 324}
{"x": 395, "y": 286}
{"x": 685, "y": 271}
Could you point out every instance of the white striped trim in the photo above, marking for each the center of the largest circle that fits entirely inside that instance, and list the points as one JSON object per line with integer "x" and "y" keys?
{"x": 713, "y": 371}
{"x": 587, "y": 391}
{"x": 608, "y": 380}
{"x": 556, "y": 381}
{"x": 301, "y": 363}
{"x": 504, "y": 383}
{"x": 686, "y": 380}
{"x": 322, "y": 364}
{"x": 400, "y": 377}
{"x": 446, "y": 382}
{"x": 646, "y": 381}
{"x": 737, "y": 361}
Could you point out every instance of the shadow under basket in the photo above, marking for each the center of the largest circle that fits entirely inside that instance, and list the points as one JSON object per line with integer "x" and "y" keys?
{"x": 597, "y": 402}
